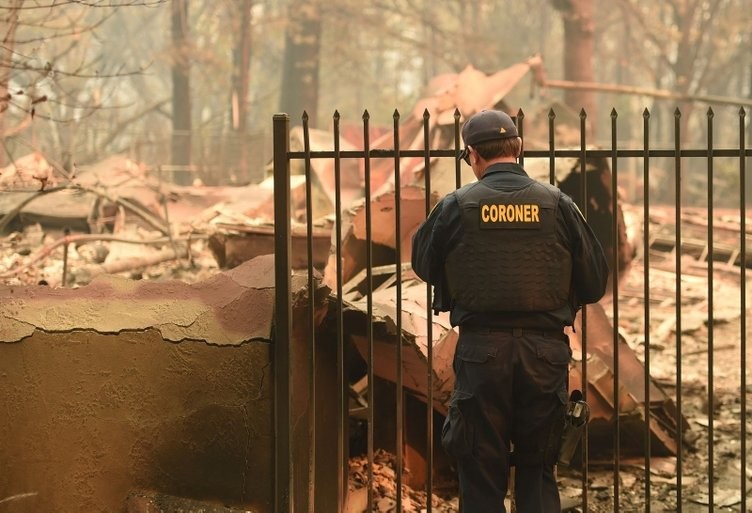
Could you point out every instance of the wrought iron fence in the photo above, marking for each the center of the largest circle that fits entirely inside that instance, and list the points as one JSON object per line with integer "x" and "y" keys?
{"x": 304, "y": 483}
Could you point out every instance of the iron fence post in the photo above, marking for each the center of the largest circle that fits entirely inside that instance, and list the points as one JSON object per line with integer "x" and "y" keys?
{"x": 282, "y": 336}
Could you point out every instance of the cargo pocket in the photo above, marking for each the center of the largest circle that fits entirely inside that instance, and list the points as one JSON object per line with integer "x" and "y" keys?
{"x": 476, "y": 353}
{"x": 558, "y": 355}
{"x": 456, "y": 434}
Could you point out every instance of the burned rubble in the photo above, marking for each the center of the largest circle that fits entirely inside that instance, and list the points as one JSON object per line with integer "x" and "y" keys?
{"x": 120, "y": 218}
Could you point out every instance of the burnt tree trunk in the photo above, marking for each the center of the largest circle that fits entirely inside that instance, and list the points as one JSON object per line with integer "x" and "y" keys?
{"x": 579, "y": 28}
{"x": 240, "y": 85}
{"x": 300, "y": 78}
{"x": 241, "y": 72}
{"x": 683, "y": 18}
{"x": 181, "y": 91}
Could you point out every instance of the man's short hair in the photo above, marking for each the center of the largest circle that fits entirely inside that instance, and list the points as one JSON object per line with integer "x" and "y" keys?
{"x": 509, "y": 147}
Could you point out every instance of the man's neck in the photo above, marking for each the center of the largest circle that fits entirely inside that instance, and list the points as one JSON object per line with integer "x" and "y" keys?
{"x": 497, "y": 160}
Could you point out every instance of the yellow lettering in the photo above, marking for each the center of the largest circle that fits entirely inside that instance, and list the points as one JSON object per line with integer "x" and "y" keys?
{"x": 501, "y": 213}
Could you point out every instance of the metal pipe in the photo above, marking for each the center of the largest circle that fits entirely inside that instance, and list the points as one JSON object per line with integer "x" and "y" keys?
{"x": 615, "y": 301}
{"x": 551, "y": 147}
{"x": 429, "y": 321}
{"x": 369, "y": 306}
{"x": 678, "y": 294}
{"x": 311, "y": 316}
{"x": 398, "y": 305}
{"x": 743, "y": 300}
{"x": 341, "y": 374}
{"x": 583, "y": 312}
{"x": 283, "y": 500}
{"x": 457, "y": 163}
{"x": 66, "y": 233}
{"x": 711, "y": 399}
{"x": 646, "y": 294}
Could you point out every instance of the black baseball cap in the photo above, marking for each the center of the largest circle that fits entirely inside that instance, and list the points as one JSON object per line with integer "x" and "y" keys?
{"x": 487, "y": 125}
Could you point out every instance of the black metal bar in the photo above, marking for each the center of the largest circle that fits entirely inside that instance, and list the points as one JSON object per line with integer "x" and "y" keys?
{"x": 678, "y": 294}
{"x": 66, "y": 232}
{"x": 551, "y": 148}
{"x": 341, "y": 377}
{"x": 637, "y": 153}
{"x": 457, "y": 163}
{"x": 743, "y": 300}
{"x": 398, "y": 304}
{"x": 711, "y": 400}
{"x": 646, "y": 295}
{"x": 583, "y": 312}
{"x": 615, "y": 301}
{"x": 369, "y": 306}
{"x": 282, "y": 317}
{"x": 311, "y": 316}
{"x": 377, "y": 153}
{"x": 429, "y": 322}
{"x": 521, "y": 132}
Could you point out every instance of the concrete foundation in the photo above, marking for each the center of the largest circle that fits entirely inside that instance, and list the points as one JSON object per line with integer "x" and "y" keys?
{"x": 122, "y": 386}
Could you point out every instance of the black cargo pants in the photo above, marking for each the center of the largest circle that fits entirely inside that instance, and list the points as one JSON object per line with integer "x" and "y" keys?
{"x": 510, "y": 388}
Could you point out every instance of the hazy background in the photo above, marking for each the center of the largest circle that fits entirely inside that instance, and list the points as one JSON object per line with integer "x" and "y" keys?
{"x": 178, "y": 82}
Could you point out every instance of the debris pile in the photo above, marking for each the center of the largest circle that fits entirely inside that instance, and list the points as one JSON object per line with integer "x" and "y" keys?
{"x": 119, "y": 217}
{"x": 385, "y": 489}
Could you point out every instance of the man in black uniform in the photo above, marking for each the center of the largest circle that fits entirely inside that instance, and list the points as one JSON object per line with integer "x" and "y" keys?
{"x": 513, "y": 260}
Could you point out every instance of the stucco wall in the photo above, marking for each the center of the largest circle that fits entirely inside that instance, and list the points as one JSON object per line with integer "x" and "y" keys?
{"x": 123, "y": 385}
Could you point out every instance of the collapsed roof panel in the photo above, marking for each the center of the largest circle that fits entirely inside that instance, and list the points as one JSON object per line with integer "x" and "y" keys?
{"x": 415, "y": 319}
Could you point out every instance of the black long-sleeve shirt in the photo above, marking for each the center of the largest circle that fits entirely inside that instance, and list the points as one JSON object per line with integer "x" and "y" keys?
{"x": 442, "y": 231}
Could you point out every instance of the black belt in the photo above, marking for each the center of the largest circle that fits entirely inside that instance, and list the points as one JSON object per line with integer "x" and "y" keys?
{"x": 517, "y": 332}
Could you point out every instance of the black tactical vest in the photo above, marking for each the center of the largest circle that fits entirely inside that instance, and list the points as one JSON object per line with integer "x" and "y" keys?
{"x": 510, "y": 258}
